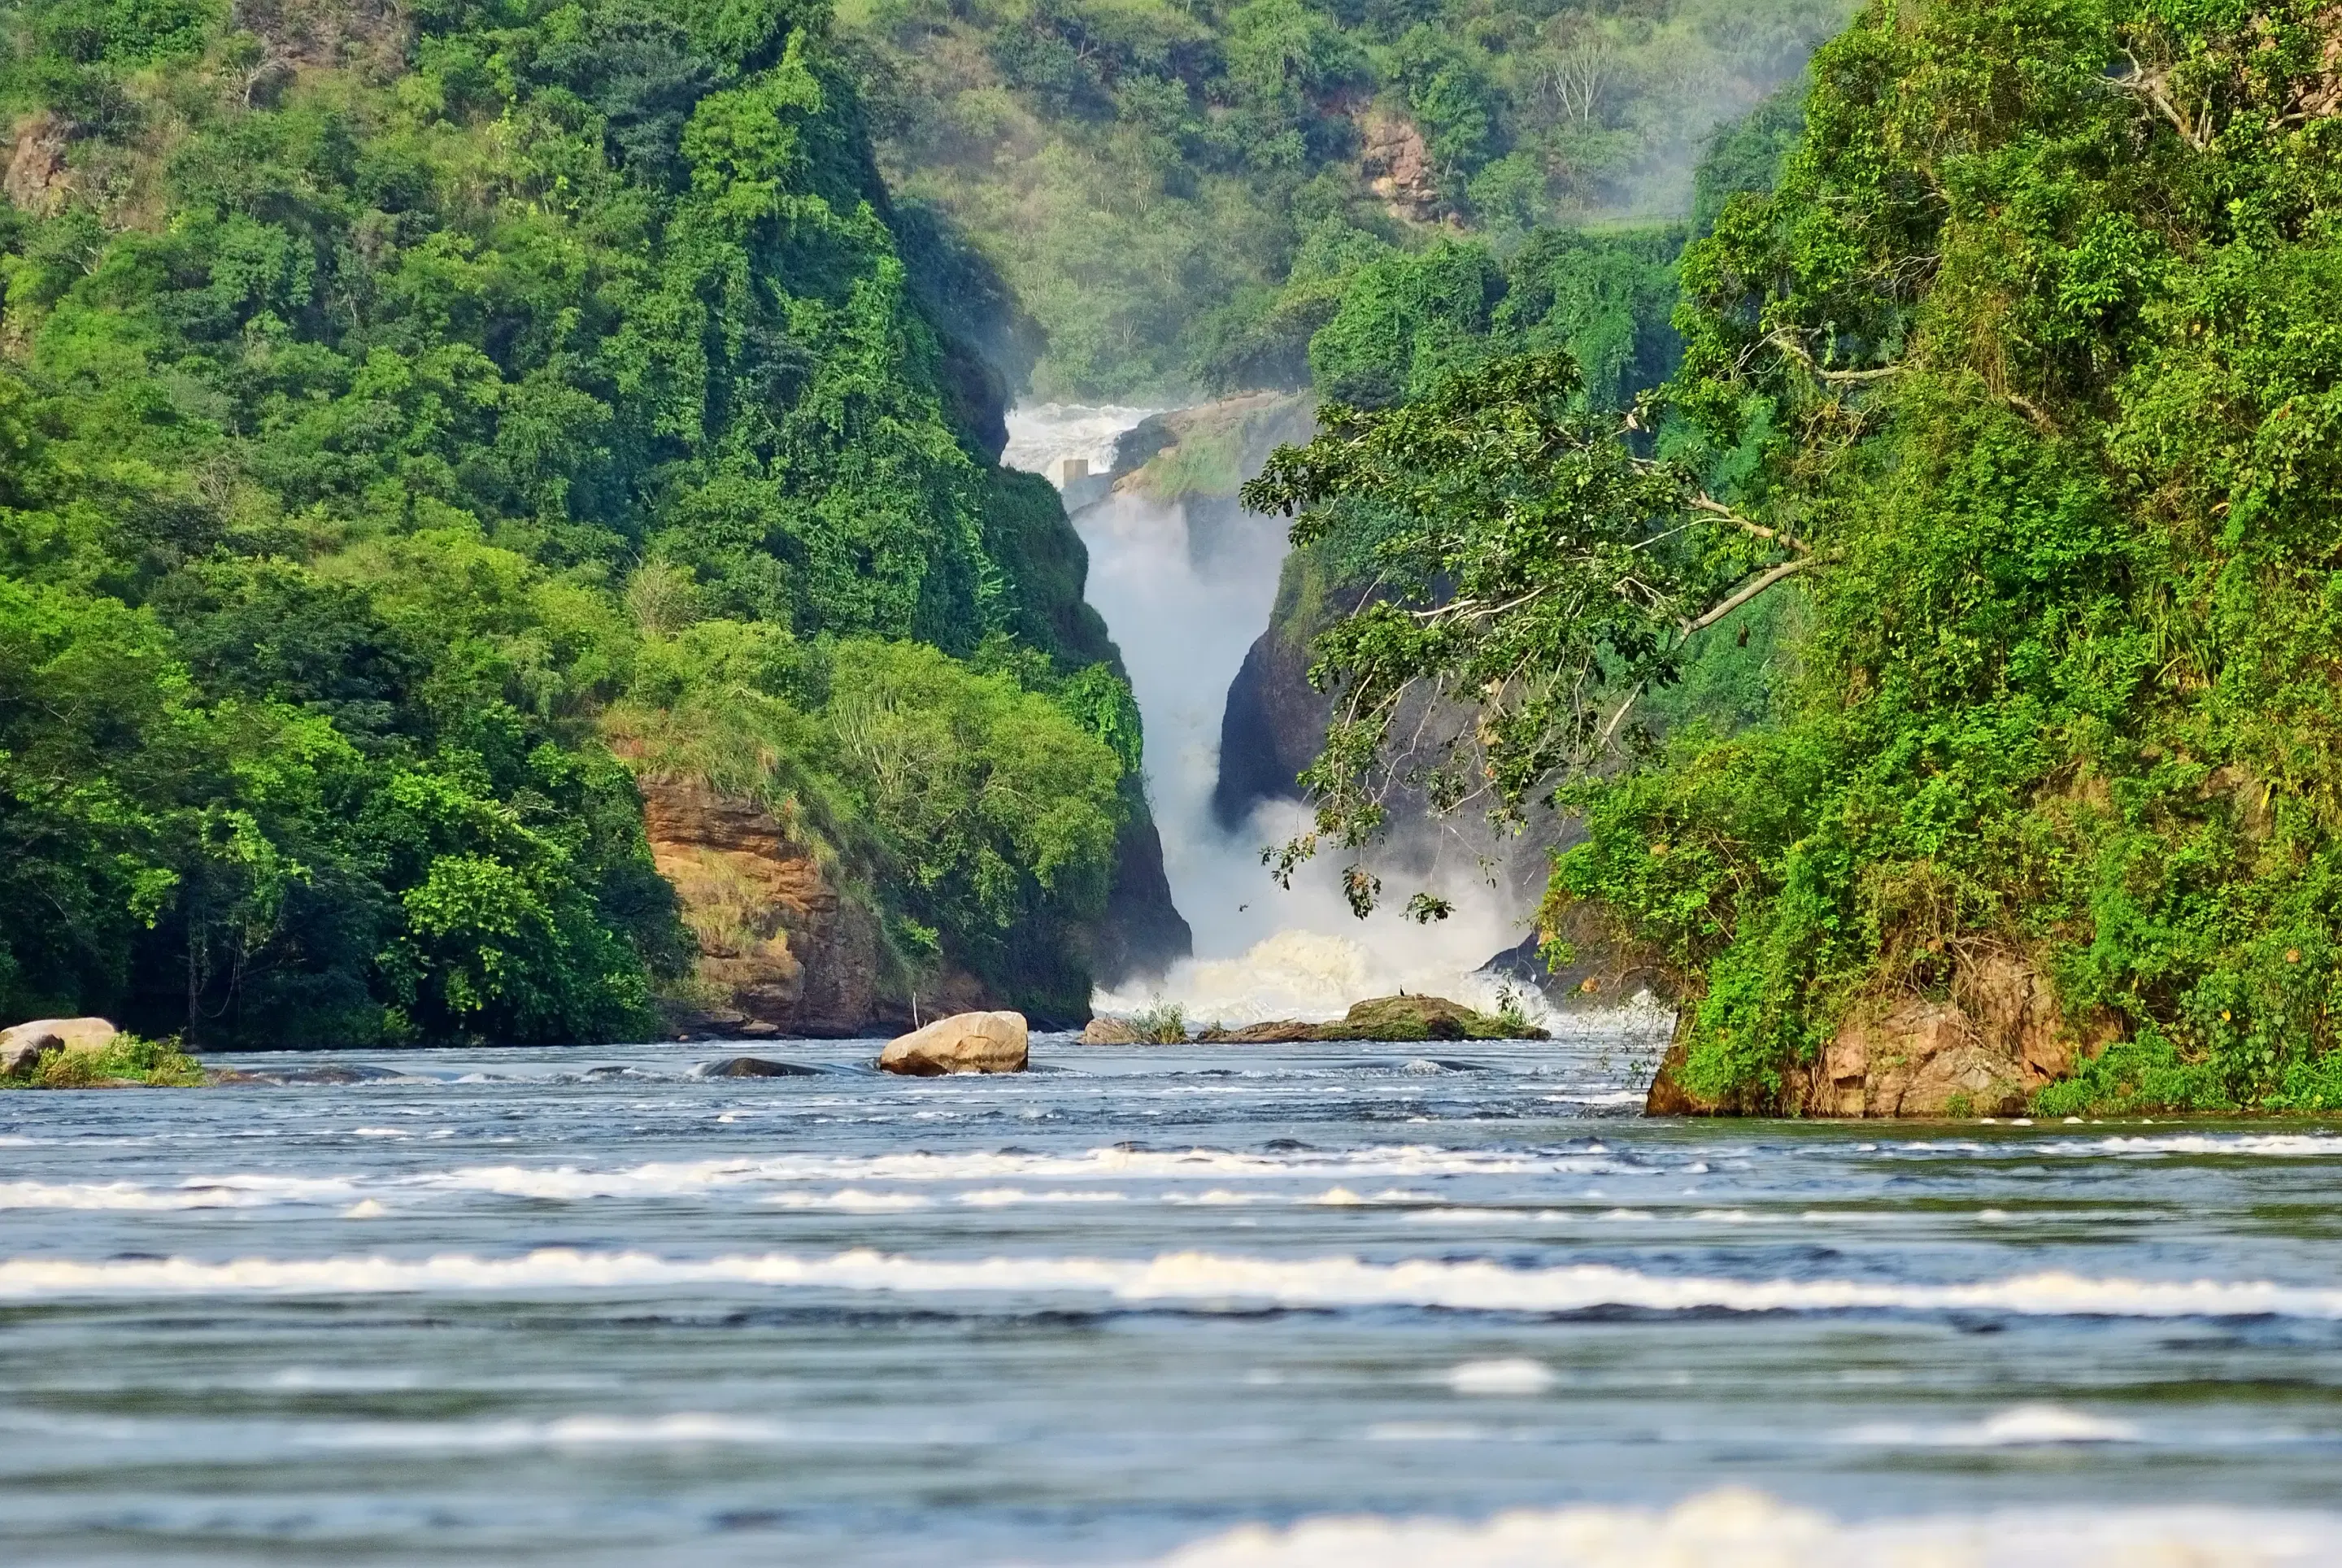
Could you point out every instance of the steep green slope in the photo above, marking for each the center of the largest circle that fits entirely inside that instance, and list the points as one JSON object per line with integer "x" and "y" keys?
{"x": 385, "y": 397}
{"x": 2026, "y": 372}
{"x": 1147, "y": 172}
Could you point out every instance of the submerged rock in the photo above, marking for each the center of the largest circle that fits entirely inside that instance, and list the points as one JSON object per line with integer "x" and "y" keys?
{"x": 754, "y": 1067}
{"x": 341, "y": 1072}
{"x": 964, "y": 1042}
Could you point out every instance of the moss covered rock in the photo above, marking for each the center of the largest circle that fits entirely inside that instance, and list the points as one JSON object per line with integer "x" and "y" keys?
{"x": 1400, "y": 1018}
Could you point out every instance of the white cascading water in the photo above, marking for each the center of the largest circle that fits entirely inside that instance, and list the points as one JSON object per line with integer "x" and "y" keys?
{"x": 1183, "y": 619}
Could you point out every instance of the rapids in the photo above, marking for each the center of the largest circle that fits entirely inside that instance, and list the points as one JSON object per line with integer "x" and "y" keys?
{"x": 1280, "y": 1307}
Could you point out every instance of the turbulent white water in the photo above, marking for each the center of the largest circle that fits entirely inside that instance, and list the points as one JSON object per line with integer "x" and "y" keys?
{"x": 1739, "y": 1528}
{"x": 1183, "y": 611}
{"x": 1213, "y": 1279}
{"x": 1042, "y": 436}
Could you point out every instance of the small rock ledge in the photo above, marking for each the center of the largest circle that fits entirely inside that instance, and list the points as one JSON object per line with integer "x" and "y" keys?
{"x": 1981, "y": 1051}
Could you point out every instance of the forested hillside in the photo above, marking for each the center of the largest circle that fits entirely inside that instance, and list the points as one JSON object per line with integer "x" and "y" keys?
{"x": 2024, "y": 373}
{"x": 411, "y": 417}
{"x": 1149, "y": 174}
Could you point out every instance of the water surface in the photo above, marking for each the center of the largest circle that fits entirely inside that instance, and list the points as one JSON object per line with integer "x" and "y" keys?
{"x": 584, "y": 1308}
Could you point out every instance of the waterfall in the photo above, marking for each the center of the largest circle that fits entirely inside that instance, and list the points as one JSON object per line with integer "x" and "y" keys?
{"x": 1184, "y": 605}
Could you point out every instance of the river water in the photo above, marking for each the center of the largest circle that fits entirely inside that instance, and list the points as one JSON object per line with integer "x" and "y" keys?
{"x": 1146, "y": 1304}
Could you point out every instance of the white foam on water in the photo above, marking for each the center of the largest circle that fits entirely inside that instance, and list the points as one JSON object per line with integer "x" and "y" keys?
{"x": 1315, "y": 974}
{"x": 1425, "y": 1431}
{"x": 1188, "y": 1276}
{"x": 1737, "y": 1528}
{"x": 680, "y": 1430}
{"x": 239, "y": 1191}
{"x": 1008, "y": 1196}
{"x": 2266, "y": 1145}
{"x": 1042, "y": 436}
{"x": 2020, "y": 1426}
{"x": 1216, "y": 1196}
{"x": 852, "y": 1201}
{"x": 566, "y": 1183}
{"x": 1513, "y": 1375}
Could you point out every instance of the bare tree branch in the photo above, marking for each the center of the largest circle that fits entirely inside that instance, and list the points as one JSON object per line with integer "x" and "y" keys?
{"x": 2148, "y": 85}
{"x": 1704, "y": 503}
{"x": 1786, "y": 568}
{"x": 1788, "y": 344}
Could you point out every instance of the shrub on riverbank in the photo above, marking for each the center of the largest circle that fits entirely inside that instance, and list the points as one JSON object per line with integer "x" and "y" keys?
{"x": 125, "y": 1058}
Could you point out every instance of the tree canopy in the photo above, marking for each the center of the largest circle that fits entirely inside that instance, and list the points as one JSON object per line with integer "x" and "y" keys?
{"x": 2025, "y": 350}
{"x": 386, "y": 400}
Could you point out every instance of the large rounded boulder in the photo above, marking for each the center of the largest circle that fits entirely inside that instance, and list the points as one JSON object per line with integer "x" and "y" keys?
{"x": 963, "y": 1042}
{"x": 23, "y": 1045}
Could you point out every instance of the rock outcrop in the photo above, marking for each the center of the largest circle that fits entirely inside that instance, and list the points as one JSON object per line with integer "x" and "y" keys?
{"x": 23, "y": 1045}
{"x": 1110, "y": 1031}
{"x": 38, "y": 180}
{"x": 1142, "y": 933}
{"x": 1397, "y": 167}
{"x": 1608, "y": 969}
{"x": 1274, "y": 723}
{"x": 1382, "y": 1018}
{"x": 1981, "y": 1051}
{"x": 965, "y": 1042}
{"x": 777, "y": 946}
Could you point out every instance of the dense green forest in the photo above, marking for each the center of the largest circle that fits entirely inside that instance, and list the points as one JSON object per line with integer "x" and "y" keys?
{"x": 2024, "y": 375}
{"x": 408, "y": 416}
{"x": 1150, "y": 176}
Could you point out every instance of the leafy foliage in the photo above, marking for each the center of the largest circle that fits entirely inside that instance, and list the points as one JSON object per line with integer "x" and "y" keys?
{"x": 380, "y": 405}
{"x": 1152, "y": 176}
{"x": 2029, "y": 344}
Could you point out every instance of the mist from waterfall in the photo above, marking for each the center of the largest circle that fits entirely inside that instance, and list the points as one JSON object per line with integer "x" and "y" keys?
{"x": 1184, "y": 605}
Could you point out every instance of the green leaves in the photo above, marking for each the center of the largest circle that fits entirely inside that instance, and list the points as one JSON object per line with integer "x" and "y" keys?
{"x": 1531, "y": 578}
{"x": 396, "y": 429}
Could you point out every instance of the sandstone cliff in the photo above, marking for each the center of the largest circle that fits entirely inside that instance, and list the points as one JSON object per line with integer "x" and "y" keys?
{"x": 781, "y": 950}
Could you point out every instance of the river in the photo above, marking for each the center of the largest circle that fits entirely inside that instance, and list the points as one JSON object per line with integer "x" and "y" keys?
{"x": 1142, "y": 1305}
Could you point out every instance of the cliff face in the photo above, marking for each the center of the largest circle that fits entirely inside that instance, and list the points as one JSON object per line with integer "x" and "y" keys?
{"x": 780, "y": 950}
{"x": 1142, "y": 933}
{"x": 1274, "y": 724}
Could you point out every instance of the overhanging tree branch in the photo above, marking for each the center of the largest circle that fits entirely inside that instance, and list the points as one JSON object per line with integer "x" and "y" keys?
{"x": 1788, "y": 344}
{"x": 1781, "y": 536}
{"x": 1787, "y": 568}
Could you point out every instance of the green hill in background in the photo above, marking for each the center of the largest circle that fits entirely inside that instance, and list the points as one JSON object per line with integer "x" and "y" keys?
{"x": 399, "y": 406}
{"x": 1149, "y": 175}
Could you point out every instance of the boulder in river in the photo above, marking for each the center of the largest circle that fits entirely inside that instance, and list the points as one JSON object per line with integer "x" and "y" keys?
{"x": 964, "y": 1042}
{"x": 23, "y": 1045}
{"x": 1104, "y": 1031}
{"x": 1385, "y": 1017}
{"x": 756, "y": 1067}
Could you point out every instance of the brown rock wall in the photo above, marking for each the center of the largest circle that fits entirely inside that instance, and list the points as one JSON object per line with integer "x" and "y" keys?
{"x": 777, "y": 943}
{"x": 1397, "y": 167}
{"x": 1980, "y": 1051}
